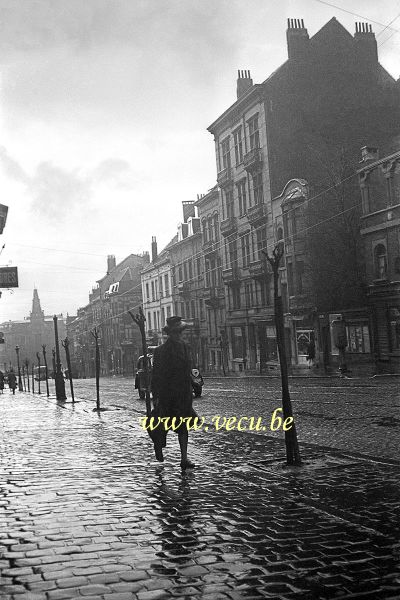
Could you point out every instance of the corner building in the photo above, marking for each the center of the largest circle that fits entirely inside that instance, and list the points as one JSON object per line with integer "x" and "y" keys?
{"x": 330, "y": 96}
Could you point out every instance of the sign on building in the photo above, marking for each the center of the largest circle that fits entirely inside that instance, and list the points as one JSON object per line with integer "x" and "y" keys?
{"x": 3, "y": 216}
{"x": 8, "y": 277}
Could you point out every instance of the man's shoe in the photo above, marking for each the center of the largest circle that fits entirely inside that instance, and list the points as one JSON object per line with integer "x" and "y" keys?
{"x": 158, "y": 453}
{"x": 187, "y": 464}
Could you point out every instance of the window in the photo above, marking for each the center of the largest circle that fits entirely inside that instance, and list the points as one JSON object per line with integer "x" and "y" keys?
{"x": 235, "y": 291}
{"x": 215, "y": 219}
{"x": 232, "y": 254}
{"x": 229, "y": 204}
{"x": 241, "y": 188}
{"x": 153, "y": 294}
{"x": 237, "y": 140}
{"x": 168, "y": 311}
{"x": 185, "y": 276}
{"x": 299, "y": 276}
{"x": 166, "y": 284}
{"x": 147, "y": 292}
{"x": 226, "y": 154}
{"x": 358, "y": 339}
{"x": 201, "y": 307}
{"x": 290, "y": 278}
{"x": 190, "y": 269}
{"x": 254, "y": 135}
{"x": 180, "y": 274}
{"x": 199, "y": 269}
{"x": 193, "y": 308}
{"x": 380, "y": 261}
{"x": 149, "y": 320}
{"x": 258, "y": 191}
{"x": 160, "y": 285}
{"x": 204, "y": 226}
{"x": 238, "y": 342}
{"x": 280, "y": 234}
{"x": 245, "y": 243}
{"x": 261, "y": 242}
{"x": 249, "y": 294}
{"x": 162, "y": 317}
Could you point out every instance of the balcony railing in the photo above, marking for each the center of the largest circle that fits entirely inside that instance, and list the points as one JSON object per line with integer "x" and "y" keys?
{"x": 257, "y": 214}
{"x": 231, "y": 275}
{"x": 253, "y": 159}
{"x": 213, "y": 296}
{"x": 256, "y": 268}
{"x": 225, "y": 177}
{"x": 228, "y": 226}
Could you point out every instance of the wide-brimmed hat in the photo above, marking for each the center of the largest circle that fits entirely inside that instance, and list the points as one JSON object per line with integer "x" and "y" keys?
{"x": 175, "y": 324}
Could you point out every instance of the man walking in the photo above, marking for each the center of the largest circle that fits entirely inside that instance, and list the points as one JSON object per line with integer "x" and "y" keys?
{"x": 171, "y": 384}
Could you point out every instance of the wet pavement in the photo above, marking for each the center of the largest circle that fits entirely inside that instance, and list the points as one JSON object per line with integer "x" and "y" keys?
{"x": 86, "y": 512}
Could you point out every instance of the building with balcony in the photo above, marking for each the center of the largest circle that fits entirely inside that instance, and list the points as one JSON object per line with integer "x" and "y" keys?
{"x": 212, "y": 318}
{"x": 157, "y": 291}
{"x": 306, "y": 121}
{"x": 379, "y": 180}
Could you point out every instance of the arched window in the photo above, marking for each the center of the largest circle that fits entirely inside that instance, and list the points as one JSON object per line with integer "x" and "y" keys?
{"x": 380, "y": 261}
{"x": 280, "y": 233}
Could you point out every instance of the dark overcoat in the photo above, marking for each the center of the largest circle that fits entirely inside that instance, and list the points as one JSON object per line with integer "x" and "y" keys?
{"x": 171, "y": 381}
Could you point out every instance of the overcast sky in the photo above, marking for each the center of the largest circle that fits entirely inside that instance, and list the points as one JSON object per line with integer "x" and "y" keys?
{"x": 104, "y": 106}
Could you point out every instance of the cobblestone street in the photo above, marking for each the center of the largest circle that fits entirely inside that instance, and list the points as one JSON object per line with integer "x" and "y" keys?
{"x": 87, "y": 512}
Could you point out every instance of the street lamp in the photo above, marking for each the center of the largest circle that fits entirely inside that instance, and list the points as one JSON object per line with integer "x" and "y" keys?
{"x": 20, "y": 387}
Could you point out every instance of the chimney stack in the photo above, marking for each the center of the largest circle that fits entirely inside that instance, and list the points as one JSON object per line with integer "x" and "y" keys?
{"x": 111, "y": 263}
{"x": 189, "y": 209}
{"x": 244, "y": 83}
{"x": 365, "y": 43}
{"x": 154, "y": 253}
{"x": 297, "y": 39}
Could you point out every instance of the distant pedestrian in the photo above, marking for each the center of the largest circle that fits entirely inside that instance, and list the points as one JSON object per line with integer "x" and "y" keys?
{"x": 311, "y": 353}
{"x": 1, "y": 381}
{"x": 12, "y": 381}
{"x": 171, "y": 385}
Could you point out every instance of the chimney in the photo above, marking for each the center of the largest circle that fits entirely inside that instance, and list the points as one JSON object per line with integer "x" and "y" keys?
{"x": 111, "y": 263}
{"x": 189, "y": 209}
{"x": 365, "y": 43}
{"x": 146, "y": 257}
{"x": 369, "y": 154}
{"x": 153, "y": 249}
{"x": 244, "y": 83}
{"x": 297, "y": 39}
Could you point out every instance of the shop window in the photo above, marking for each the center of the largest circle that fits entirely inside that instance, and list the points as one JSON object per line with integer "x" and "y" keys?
{"x": 394, "y": 326}
{"x": 380, "y": 261}
{"x": 237, "y": 342}
{"x": 358, "y": 339}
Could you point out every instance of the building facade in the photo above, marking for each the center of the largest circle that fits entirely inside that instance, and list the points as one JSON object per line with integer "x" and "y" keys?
{"x": 305, "y": 122}
{"x": 30, "y": 335}
{"x": 116, "y": 293}
{"x": 380, "y": 229}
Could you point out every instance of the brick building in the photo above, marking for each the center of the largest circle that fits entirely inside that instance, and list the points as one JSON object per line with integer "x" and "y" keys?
{"x": 306, "y": 121}
{"x": 380, "y": 230}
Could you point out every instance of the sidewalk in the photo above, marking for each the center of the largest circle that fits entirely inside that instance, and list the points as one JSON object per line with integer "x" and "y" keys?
{"x": 86, "y": 512}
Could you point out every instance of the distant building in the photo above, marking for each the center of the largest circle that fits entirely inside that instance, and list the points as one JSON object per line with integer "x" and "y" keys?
{"x": 380, "y": 229}
{"x": 156, "y": 279}
{"x": 30, "y": 335}
{"x": 109, "y": 302}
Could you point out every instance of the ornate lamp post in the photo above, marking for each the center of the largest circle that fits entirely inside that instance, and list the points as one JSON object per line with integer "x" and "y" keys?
{"x": 59, "y": 379}
{"x": 27, "y": 372}
{"x": 20, "y": 387}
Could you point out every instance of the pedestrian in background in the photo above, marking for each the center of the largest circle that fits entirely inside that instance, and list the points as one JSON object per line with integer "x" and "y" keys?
{"x": 172, "y": 386}
{"x": 311, "y": 353}
{"x": 12, "y": 381}
{"x": 1, "y": 381}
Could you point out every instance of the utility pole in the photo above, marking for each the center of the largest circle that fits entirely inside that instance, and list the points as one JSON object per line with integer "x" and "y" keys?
{"x": 20, "y": 388}
{"x": 95, "y": 334}
{"x": 65, "y": 344}
{"x": 38, "y": 357}
{"x": 292, "y": 446}
{"x": 59, "y": 379}
{"x": 47, "y": 370}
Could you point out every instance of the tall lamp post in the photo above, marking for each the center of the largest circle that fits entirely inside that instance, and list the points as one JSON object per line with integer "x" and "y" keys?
{"x": 59, "y": 379}
{"x": 20, "y": 386}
